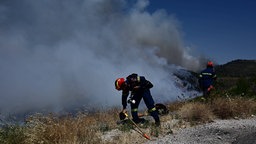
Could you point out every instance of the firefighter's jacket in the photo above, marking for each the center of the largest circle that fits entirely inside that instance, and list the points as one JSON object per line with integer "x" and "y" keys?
{"x": 207, "y": 78}
{"x": 133, "y": 81}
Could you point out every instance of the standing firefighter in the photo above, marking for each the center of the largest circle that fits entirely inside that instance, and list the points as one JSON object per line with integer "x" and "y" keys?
{"x": 140, "y": 88}
{"x": 207, "y": 78}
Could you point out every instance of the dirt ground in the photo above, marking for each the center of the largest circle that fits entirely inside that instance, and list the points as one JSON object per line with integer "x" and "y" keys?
{"x": 240, "y": 131}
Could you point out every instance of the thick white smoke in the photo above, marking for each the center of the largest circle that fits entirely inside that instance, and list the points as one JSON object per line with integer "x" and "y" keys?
{"x": 57, "y": 54}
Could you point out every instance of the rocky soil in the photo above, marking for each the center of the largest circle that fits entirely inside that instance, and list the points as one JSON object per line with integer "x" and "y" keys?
{"x": 235, "y": 131}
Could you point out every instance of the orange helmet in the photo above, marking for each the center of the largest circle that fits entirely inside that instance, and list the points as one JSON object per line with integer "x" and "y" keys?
{"x": 119, "y": 82}
{"x": 210, "y": 64}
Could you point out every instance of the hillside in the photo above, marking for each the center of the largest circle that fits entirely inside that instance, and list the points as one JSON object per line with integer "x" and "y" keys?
{"x": 237, "y": 68}
{"x": 237, "y": 77}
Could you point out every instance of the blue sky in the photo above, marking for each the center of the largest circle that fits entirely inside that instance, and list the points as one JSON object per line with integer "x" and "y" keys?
{"x": 222, "y": 30}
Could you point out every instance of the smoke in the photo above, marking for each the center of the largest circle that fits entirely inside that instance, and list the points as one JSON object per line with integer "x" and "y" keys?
{"x": 57, "y": 54}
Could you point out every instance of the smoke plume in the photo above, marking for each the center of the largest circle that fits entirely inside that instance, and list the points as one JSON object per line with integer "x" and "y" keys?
{"x": 57, "y": 54}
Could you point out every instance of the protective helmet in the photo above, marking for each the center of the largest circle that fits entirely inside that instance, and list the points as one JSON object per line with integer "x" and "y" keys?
{"x": 210, "y": 64}
{"x": 119, "y": 82}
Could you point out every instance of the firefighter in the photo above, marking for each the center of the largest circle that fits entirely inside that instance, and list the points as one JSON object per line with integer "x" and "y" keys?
{"x": 207, "y": 77}
{"x": 139, "y": 88}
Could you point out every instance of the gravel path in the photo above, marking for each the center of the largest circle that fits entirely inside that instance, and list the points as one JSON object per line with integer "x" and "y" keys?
{"x": 241, "y": 131}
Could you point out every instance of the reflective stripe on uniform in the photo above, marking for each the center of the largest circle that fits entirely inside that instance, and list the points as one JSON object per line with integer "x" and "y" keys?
{"x": 209, "y": 74}
{"x": 138, "y": 78}
{"x": 134, "y": 110}
{"x": 153, "y": 109}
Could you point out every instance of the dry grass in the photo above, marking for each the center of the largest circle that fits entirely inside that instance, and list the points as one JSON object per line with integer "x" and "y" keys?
{"x": 97, "y": 126}
{"x": 219, "y": 107}
{"x": 196, "y": 112}
{"x": 51, "y": 129}
{"x": 79, "y": 129}
{"x": 226, "y": 108}
{"x": 175, "y": 106}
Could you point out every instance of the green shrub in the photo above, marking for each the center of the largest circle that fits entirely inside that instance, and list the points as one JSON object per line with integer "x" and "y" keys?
{"x": 242, "y": 87}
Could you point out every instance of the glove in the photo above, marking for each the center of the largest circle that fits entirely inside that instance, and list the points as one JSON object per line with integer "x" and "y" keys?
{"x": 131, "y": 101}
{"x": 122, "y": 115}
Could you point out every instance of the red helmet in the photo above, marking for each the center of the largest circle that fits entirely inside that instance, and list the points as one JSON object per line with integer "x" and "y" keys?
{"x": 119, "y": 82}
{"x": 210, "y": 64}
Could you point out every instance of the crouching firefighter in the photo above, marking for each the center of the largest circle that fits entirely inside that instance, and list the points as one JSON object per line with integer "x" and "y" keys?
{"x": 139, "y": 88}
